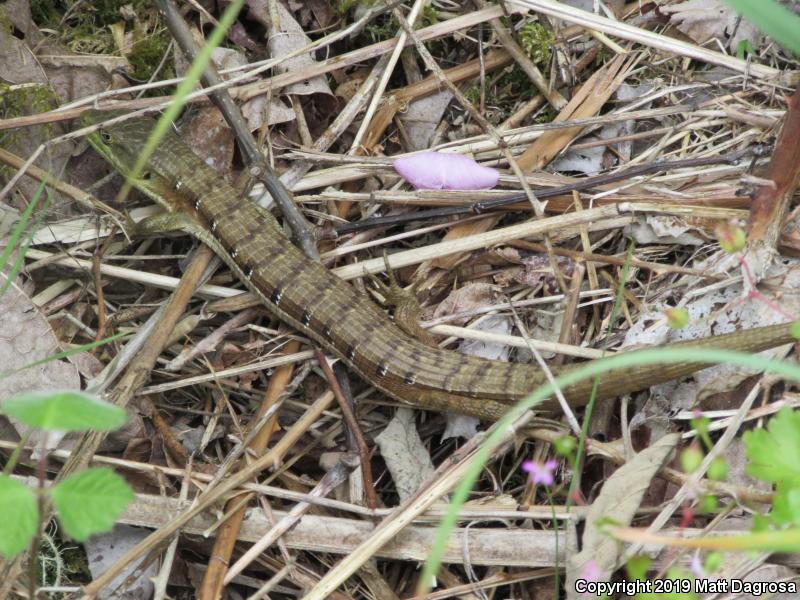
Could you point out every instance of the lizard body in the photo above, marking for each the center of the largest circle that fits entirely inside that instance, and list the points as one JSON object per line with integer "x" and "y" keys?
{"x": 304, "y": 294}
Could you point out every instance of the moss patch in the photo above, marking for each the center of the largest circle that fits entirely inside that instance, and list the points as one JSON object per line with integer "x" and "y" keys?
{"x": 147, "y": 54}
{"x": 86, "y": 27}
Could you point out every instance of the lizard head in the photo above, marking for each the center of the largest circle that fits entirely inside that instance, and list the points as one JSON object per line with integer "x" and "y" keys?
{"x": 121, "y": 143}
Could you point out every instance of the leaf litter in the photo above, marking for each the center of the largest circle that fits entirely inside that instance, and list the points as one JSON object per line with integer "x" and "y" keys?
{"x": 645, "y": 87}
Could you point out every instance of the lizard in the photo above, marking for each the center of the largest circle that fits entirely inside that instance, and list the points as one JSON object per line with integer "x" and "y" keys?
{"x": 344, "y": 321}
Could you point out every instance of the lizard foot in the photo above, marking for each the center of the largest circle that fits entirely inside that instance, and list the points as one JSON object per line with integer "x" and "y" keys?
{"x": 405, "y": 303}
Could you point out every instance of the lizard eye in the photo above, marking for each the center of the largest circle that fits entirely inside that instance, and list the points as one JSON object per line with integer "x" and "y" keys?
{"x": 105, "y": 136}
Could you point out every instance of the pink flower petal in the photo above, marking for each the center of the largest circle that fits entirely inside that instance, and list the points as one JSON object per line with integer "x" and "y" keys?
{"x": 445, "y": 171}
{"x": 540, "y": 473}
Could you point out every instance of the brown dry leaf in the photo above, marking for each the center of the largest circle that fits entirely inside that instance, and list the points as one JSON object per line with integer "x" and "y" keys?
{"x": 713, "y": 313}
{"x": 621, "y": 495}
{"x": 104, "y": 549}
{"x": 347, "y": 89}
{"x": 207, "y": 131}
{"x": 703, "y": 20}
{"x": 586, "y": 103}
{"x": 18, "y": 65}
{"x": 255, "y": 109}
{"x": 538, "y": 270}
{"x": 258, "y": 111}
{"x": 768, "y": 573}
{"x": 467, "y": 297}
{"x": 18, "y": 13}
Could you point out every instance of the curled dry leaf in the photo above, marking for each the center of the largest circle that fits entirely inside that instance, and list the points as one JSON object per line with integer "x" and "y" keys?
{"x": 703, "y": 20}
{"x": 445, "y": 171}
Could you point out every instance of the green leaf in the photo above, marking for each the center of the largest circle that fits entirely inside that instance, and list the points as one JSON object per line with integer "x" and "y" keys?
{"x": 774, "y": 454}
{"x": 67, "y": 410}
{"x": 718, "y": 469}
{"x": 708, "y": 504}
{"x": 732, "y": 238}
{"x": 20, "y": 516}
{"x": 565, "y": 445}
{"x": 691, "y": 458}
{"x": 677, "y": 318}
{"x": 786, "y": 504}
{"x": 776, "y": 21}
{"x": 713, "y": 562}
{"x": 637, "y": 567}
{"x": 90, "y": 501}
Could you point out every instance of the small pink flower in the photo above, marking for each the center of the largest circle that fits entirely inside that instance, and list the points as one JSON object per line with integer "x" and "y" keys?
{"x": 540, "y": 473}
{"x": 591, "y": 571}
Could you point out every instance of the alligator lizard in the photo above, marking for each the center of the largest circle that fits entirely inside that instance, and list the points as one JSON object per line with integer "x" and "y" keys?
{"x": 304, "y": 294}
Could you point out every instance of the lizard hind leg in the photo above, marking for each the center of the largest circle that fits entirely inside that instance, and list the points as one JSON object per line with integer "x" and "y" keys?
{"x": 405, "y": 303}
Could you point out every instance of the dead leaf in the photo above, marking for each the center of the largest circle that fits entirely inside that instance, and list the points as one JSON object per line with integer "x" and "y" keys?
{"x": 18, "y": 65}
{"x": 207, "y": 131}
{"x": 767, "y": 573}
{"x": 423, "y": 117}
{"x": 465, "y": 298}
{"x": 105, "y": 549}
{"x": 707, "y": 318}
{"x": 18, "y": 13}
{"x": 286, "y": 37}
{"x": 703, "y": 20}
{"x": 665, "y": 229}
{"x": 457, "y": 232}
{"x": 25, "y": 338}
{"x": 254, "y": 110}
{"x": 586, "y": 103}
{"x": 406, "y": 456}
{"x": 619, "y": 498}
{"x": 538, "y": 271}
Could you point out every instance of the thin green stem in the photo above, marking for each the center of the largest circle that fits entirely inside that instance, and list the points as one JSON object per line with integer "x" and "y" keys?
{"x": 503, "y": 429}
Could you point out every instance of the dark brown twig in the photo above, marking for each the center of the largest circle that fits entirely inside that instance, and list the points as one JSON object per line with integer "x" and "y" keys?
{"x": 256, "y": 163}
{"x": 355, "y": 429}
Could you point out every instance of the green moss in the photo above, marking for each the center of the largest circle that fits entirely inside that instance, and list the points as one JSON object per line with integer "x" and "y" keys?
{"x": 85, "y": 27}
{"x": 147, "y": 54}
{"x": 46, "y": 13}
{"x": 21, "y": 101}
{"x": 473, "y": 94}
{"x": 547, "y": 115}
{"x": 386, "y": 27}
{"x": 344, "y": 5}
{"x": 537, "y": 40}
{"x": 514, "y": 83}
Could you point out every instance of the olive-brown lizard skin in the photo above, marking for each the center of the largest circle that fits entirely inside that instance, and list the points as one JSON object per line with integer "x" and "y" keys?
{"x": 345, "y": 322}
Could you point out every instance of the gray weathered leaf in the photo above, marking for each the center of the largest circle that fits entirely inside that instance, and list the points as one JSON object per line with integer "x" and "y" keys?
{"x": 620, "y": 497}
